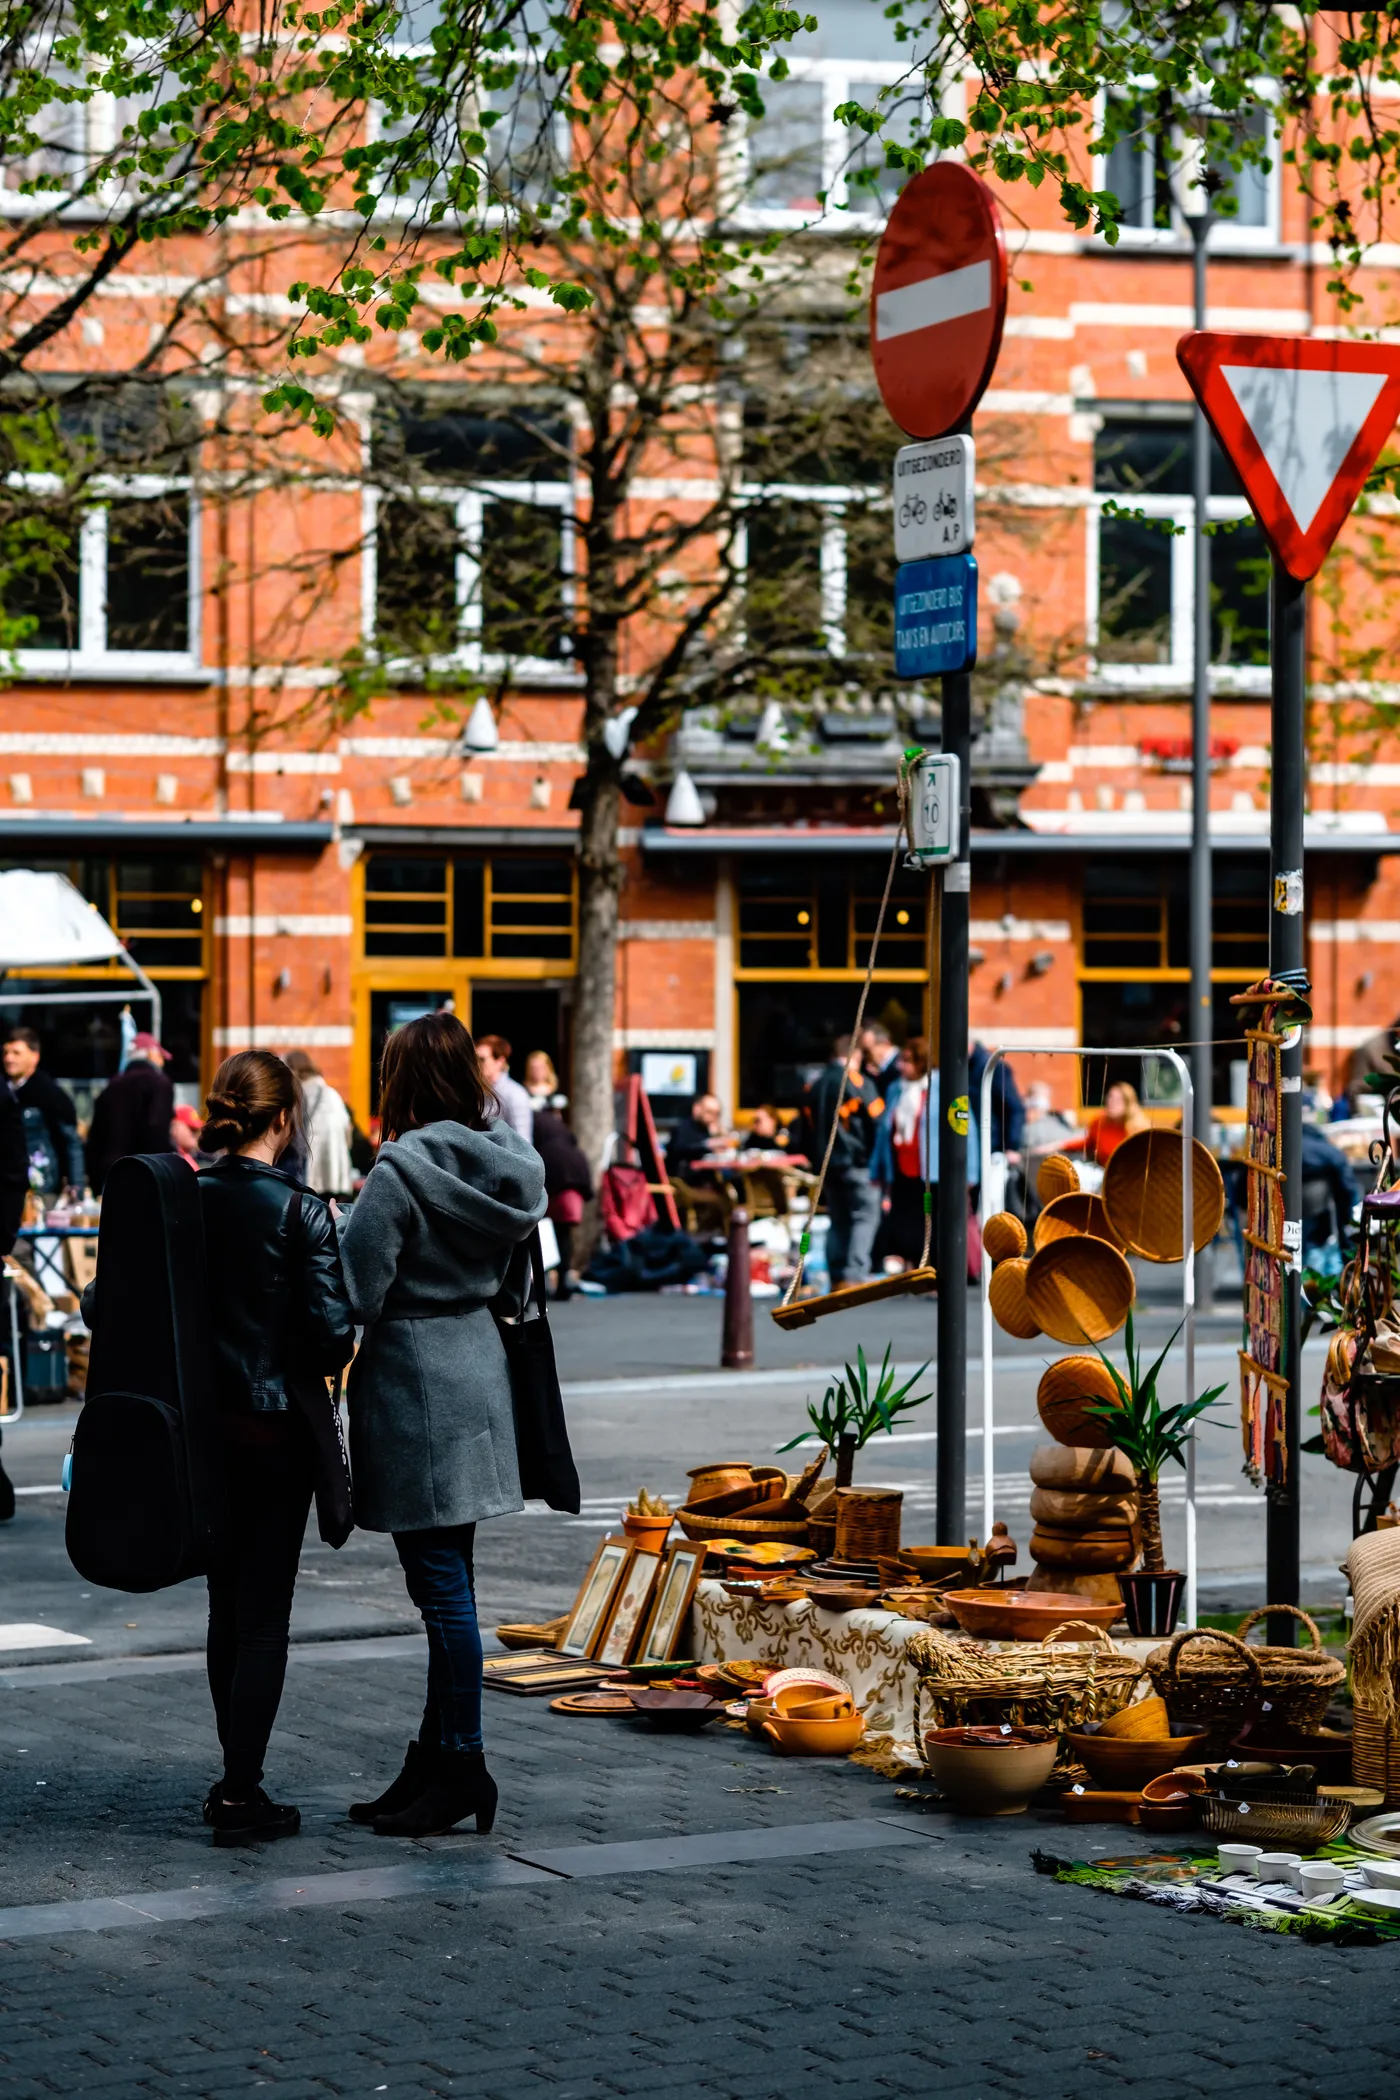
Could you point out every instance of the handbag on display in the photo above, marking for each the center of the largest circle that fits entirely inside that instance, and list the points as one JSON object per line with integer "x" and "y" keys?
{"x": 547, "y": 1470}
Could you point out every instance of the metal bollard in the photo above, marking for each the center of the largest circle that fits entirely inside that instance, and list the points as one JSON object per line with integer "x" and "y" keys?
{"x": 737, "y": 1352}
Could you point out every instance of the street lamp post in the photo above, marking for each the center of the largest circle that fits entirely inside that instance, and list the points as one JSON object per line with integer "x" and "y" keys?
{"x": 1202, "y": 1002}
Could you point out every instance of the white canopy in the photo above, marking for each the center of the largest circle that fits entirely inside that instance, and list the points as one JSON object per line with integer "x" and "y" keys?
{"x": 43, "y": 919}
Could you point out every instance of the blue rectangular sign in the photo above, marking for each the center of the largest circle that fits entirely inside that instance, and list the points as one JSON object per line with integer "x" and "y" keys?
{"x": 935, "y": 616}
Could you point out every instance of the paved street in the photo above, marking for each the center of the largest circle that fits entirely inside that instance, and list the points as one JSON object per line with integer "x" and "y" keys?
{"x": 813, "y": 1933}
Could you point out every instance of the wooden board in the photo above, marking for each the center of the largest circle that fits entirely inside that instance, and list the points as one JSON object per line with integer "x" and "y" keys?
{"x": 804, "y": 1311}
{"x": 534, "y": 1672}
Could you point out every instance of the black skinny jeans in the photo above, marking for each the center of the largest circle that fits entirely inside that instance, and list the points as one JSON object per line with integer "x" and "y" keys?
{"x": 268, "y": 1479}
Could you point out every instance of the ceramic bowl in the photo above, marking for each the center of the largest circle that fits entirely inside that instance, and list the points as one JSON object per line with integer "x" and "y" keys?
{"x": 1128, "y": 1761}
{"x": 1237, "y": 1859}
{"x": 1378, "y": 1903}
{"x": 1278, "y": 1866}
{"x": 1321, "y": 1877}
{"x": 1382, "y": 1873}
{"x": 811, "y": 1702}
{"x": 1023, "y": 1615}
{"x": 989, "y": 1777}
{"x": 800, "y": 1738}
{"x": 1174, "y": 1782}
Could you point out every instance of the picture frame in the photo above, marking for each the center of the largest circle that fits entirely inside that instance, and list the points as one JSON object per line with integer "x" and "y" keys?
{"x": 675, "y": 1591}
{"x": 630, "y": 1608}
{"x": 594, "y": 1601}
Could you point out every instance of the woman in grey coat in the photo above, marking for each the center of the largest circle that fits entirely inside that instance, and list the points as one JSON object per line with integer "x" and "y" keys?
{"x": 452, "y": 1195}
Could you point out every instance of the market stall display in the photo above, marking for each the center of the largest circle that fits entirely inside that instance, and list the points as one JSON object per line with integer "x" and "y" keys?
{"x": 1222, "y": 1680}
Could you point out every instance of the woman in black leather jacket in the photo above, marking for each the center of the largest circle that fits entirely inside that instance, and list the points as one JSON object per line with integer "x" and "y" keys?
{"x": 280, "y": 1326}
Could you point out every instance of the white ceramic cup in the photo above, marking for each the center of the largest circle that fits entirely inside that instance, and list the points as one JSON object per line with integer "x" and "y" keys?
{"x": 1321, "y": 1877}
{"x": 1237, "y": 1859}
{"x": 1279, "y": 1866}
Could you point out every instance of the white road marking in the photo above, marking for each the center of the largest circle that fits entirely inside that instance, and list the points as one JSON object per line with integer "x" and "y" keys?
{"x": 25, "y": 1635}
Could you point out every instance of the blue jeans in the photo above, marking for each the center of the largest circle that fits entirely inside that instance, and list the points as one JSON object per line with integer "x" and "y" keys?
{"x": 437, "y": 1567}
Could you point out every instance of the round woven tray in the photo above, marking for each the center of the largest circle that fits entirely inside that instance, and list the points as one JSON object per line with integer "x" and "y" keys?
{"x": 1142, "y": 1194}
{"x": 1007, "y": 1296}
{"x": 1228, "y": 1681}
{"x": 696, "y": 1527}
{"x": 1057, "y": 1176}
{"x": 1079, "y": 1290}
{"x": 1067, "y": 1390}
{"x": 1004, "y": 1237}
{"x": 1071, "y": 1213}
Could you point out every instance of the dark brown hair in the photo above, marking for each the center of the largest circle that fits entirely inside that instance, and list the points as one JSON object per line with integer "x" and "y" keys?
{"x": 428, "y": 1073}
{"x": 497, "y": 1045}
{"x": 249, "y": 1093}
{"x": 19, "y": 1034}
{"x": 916, "y": 1050}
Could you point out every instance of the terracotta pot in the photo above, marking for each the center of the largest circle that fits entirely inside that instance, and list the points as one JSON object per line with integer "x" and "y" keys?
{"x": 1067, "y": 1509}
{"x": 1093, "y": 1471}
{"x": 649, "y": 1532}
{"x": 989, "y": 1778}
{"x": 803, "y": 1738}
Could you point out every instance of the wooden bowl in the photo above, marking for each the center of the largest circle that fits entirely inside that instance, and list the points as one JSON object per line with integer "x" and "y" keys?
{"x": 1007, "y": 1296}
{"x": 1078, "y": 1290}
{"x": 1071, "y": 1213}
{"x": 738, "y": 1498}
{"x": 1088, "y": 1472}
{"x": 1023, "y": 1615}
{"x": 1142, "y": 1194}
{"x": 798, "y": 1738}
{"x": 1004, "y": 1237}
{"x": 1067, "y": 1509}
{"x": 1067, "y": 1390}
{"x": 1057, "y": 1176}
{"x": 839, "y": 1596}
{"x": 1115, "y": 1762}
{"x": 1085, "y": 1552}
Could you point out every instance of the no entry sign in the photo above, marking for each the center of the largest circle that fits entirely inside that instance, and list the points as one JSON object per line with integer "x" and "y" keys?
{"x": 938, "y": 300}
{"x": 1303, "y": 423}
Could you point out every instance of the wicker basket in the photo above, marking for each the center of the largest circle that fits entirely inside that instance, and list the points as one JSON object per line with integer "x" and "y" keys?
{"x": 1048, "y": 1685}
{"x": 1004, "y": 1237}
{"x": 1142, "y": 1194}
{"x": 1228, "y": 1688}
{"x": 1270, "y": 1823}
{"x": 780, "y": 1531}
{"x": 1057, "y": 1177}
{"x": 1375, "y": 1753}
{"x": 1064, "y": 1395}
{"x": 1079, "y": 1290}
{"x": 1074, "y": 1213}
{"x": 867, "y": 1522}
{"x": 1007, "y": 1295}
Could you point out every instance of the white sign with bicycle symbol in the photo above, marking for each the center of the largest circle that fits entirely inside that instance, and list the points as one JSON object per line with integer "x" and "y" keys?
{"x": 933, "y": 498}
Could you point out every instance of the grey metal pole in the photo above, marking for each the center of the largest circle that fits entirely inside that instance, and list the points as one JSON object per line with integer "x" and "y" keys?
{"x": 1288, "y": 658}
{"x": 952, "y": 1131}
{"x": 1202, "y": 1005}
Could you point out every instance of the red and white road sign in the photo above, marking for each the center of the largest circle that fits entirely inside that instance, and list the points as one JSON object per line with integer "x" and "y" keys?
{"x": 938, "y": 299}
{"x": 1302, "y": 422}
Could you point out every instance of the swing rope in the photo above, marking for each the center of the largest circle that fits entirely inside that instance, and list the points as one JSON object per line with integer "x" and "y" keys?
{"x": 805, "y": 1243}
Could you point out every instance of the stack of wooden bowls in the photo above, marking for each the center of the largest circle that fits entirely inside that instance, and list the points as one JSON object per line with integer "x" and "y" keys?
{"x": 1084, "y": 1500}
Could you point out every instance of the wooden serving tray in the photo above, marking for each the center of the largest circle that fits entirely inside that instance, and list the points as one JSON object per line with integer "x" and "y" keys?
{"x": 804, "y": 1311}
{"x": 534, "y": 1672}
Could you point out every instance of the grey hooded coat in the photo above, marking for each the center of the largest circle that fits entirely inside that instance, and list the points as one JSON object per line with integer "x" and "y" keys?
{"x": 432, "y": 1436}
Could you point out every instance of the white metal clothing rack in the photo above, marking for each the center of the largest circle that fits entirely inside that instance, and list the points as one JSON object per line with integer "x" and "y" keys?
{"x": 1188, "y": 1277}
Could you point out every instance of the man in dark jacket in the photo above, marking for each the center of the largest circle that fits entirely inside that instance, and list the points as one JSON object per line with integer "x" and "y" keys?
{"x": 852, "y": 1198}
{"x": 50, "y": 1119}
{"x": 1008, "y": 1109}
{"x": 14, "y": 1186}
{"x": 133, "y": 1111}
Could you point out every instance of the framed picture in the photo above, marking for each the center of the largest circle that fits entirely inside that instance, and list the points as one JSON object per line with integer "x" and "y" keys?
{"x": 630, "y": 1610}
{"x": 675, "y": 1590}
{"x": 595, "y": 1598}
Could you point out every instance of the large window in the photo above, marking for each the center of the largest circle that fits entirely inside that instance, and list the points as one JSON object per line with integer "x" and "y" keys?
{"x": 509, "y": 908}
{"x": 798, "y": 153}
{"x": 471, "y": 543}
{"x": 1145, "y": 177}
{"x": 1142, "y": 575}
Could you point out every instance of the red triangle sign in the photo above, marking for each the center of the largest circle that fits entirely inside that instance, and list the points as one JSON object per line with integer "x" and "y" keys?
{"x": 1302, "y": 423}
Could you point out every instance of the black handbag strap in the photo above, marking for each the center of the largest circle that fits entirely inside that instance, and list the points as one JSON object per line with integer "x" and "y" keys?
{"x": 536, "y": 1290}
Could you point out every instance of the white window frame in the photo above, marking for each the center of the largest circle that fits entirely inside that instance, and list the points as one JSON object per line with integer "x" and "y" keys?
{"x": 1225, "y": 234}
{"x": 841, "y": 80}
{"x": 92, "y": 657}
{"x": 834, "y": 501}
{"x": 1177, "y": 671}
{"x": 407, "y": 207}
{"x": 468, "y": 506}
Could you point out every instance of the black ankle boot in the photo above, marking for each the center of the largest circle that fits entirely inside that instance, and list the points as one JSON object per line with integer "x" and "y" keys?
{"x": 239, "y": 1822}
{"x": 457, "y": 1785}
{"x": 400, "y": 1793}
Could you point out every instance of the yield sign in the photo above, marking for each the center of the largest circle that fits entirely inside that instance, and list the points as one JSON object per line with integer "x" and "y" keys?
{"x": 938, "y": 299}
{"x": 1302, "y": 422}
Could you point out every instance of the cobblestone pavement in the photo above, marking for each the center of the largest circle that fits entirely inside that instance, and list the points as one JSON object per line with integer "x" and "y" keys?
{"x": 937, "y": 1962}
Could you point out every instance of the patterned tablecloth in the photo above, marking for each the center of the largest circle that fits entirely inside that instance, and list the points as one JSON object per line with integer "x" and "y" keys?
{"x": 868, "y": 1649}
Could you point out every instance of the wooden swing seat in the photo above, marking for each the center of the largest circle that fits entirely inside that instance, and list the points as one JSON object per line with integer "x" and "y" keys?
{"x": 803, "y": 1312}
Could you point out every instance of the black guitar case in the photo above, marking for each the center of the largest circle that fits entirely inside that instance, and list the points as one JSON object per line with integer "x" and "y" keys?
{"x": 145, "y": 1507}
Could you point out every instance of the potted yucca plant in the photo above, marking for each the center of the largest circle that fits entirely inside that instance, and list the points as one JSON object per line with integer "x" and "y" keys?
{"x": 1149, "y": 1435}
{"x": 856, "y": 1407}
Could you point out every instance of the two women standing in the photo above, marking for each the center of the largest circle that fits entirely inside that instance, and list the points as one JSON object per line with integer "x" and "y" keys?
{"x": 450, "y": 1201}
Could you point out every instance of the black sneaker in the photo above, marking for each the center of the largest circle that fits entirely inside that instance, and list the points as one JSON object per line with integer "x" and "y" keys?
{"x": 240, "y": 1822}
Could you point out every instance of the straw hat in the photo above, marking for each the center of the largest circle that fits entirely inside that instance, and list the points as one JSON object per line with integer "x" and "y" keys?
{"x": 1007, "y": 1295}
{"x": 1079, "y": 1289}
{"x": 1142, "y": 1194}
{"x": 1004, "y": 1237}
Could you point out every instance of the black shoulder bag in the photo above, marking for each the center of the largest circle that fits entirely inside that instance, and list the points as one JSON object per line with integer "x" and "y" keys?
{"x": 547, "y": 1470}
{"x": 320, "y": 1410}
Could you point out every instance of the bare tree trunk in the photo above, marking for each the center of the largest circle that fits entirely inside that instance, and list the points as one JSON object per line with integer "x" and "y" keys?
{"x": 1150, "y": 1518}
{"x": 600, "y": 880}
